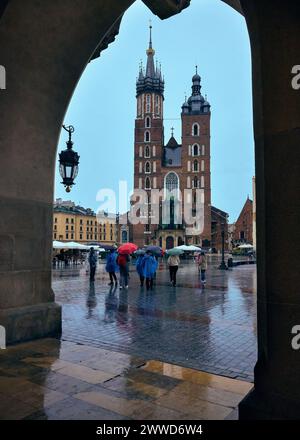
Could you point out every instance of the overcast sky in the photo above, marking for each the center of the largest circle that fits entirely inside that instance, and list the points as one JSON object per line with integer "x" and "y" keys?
{"x": 210, "y": 34}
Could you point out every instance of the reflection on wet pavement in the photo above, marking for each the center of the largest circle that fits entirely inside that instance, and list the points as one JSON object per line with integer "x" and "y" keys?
{"x": 211, "y": 328}
{"x": 50, "y": 379}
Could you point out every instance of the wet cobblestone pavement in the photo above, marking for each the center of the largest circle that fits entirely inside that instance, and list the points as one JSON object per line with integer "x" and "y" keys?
{"x": 212, "y": 329}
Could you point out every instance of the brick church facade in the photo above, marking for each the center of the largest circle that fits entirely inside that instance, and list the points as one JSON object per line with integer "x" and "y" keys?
{"x": 180, "y": 167}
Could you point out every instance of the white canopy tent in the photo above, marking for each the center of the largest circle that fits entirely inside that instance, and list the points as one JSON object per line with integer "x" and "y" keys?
{"x": 70, "y": 245}
{"x": 245, "y": 246}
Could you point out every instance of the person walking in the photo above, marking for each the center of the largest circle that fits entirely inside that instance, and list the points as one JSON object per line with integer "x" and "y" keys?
{"x": 173, "y": 263}
{"x": 93, "y": 263}
{"x": 139, "y": 269}
{"x": 202, "y": 266}
{"x": 149, "y": 266}
{"x": 112, "y": 267}
{"x": 123, "y": 263}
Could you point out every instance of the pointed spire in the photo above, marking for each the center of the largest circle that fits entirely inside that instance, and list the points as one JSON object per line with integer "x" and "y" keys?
{"x": 150, "y": 69}
{"x": 150, "y": 79}
{"x": 150, "y": 40}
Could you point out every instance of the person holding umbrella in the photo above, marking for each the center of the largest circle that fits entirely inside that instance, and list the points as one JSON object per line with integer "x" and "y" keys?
{"x": 123, "y": 263}
{"x": 112, "y": 267}
{"x": 149, "y": 265}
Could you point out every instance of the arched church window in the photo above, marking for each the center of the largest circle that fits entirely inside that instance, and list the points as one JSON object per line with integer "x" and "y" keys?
{"x": 196, "y": 129}
{"x": 171, "y": 182}
{"x": 147, "y": 183}
{"x": 148, "y": 103}
{"x": 157, "y": 104}
{"x": 195, "y": 182}
{"x": 148, "y": 122}
{"x": 196, "y": 150}
{"x": 147, "y": 136}
{"x": 147, "y": 151}
{"x": 139, "y": 106}
{"x": 147, "y": 168}
{"x": 195, "y": 166}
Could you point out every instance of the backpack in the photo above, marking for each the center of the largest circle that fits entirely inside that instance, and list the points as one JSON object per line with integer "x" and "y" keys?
{"x": 122, "y": 260}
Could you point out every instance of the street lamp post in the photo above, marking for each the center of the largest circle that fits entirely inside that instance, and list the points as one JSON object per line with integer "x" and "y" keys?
{"x": 223, "y": 265}
{"x": 68, "y": 162}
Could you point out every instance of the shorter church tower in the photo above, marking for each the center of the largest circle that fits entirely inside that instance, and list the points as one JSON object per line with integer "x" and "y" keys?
{"x": 195, "y": 118}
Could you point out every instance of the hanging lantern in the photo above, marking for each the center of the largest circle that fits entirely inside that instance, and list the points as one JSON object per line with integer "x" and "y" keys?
{"x": 68, "y": 162}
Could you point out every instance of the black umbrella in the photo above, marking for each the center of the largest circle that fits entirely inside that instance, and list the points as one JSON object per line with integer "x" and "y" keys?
{"x": 108, "y": 247}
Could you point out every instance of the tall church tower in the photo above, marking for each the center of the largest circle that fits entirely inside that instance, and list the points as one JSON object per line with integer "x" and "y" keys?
{"x": 195, "y": 118}
{"x": 149, "y": 138}
{"x": 170, "y": 168}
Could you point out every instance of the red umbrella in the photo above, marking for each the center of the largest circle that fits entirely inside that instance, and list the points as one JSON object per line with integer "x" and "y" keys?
{"x": 127, "y": 248}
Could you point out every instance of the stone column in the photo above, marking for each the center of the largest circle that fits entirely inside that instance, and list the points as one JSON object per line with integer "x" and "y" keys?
{"x": 274, "y": 28}
{"x": 44, "y": 47}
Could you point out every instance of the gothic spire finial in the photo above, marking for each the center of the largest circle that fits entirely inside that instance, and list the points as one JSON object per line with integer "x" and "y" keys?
{"x": 150, "y": 27}
{"x": 172, "y": 131}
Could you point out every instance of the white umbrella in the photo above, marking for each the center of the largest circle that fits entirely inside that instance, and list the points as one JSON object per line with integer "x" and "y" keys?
{"x": 190, "y": 248}
{"x": 96, "y": 248}
{"x": 245, "y": 246}
{"x": 58, "y": 244}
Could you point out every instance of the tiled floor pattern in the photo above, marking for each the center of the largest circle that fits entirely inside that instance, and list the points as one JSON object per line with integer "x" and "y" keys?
{"x": 61, "y": 380}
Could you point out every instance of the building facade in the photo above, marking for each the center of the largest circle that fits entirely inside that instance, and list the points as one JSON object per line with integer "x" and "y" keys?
{"x": 174, "y": 169}
{"x": 243, "y": 232}
{"x": 75, "y": 223}
{"x": 219, "y": 224}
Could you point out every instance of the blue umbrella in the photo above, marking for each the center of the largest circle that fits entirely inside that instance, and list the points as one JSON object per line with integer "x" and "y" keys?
{"x": 156, "y": 250}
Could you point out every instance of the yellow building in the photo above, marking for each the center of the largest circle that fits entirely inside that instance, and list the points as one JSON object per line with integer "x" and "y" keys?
{"x": 74, "y": 223}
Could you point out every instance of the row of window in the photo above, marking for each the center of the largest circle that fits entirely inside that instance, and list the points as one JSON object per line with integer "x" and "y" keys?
{"x": 157, "y": 104}
{"x": 196, "y": 166}
{"x": 172, "y": 182}
{"x": 88, "y": 228}
{"x": 148, "y": 168}
{"x": 89, "y": 222}
{"x": 146, "y": 151}
{"x": 196, "y": 150}
{"x": 195, "y": 128}
{"x": 88, "y": 237}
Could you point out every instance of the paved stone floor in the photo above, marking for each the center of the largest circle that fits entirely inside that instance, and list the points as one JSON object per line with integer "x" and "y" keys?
{"x": 158, "y": 355}
{"x": 212, "y": 329}
{"x": 51, "y": 379}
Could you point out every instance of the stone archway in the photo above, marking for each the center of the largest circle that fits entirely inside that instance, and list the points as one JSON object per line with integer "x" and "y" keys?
{"x": 45, "y": 47}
